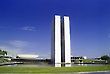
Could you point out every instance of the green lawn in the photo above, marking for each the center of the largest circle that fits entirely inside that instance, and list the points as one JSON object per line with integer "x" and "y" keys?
{"x": 34, "y": 70}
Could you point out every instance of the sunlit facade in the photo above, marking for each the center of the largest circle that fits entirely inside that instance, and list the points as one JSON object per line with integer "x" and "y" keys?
{"x": 61, "y": 49}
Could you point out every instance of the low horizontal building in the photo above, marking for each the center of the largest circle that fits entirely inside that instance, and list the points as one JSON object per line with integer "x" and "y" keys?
{"x": 27, "y": 56}
{"x": 78, "y": 57}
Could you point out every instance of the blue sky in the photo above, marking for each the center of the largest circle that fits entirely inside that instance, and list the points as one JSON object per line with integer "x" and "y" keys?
{"x": 25, "y": 26}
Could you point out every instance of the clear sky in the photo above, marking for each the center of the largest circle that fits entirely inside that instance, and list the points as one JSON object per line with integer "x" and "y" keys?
{"x": 25, "y": 26}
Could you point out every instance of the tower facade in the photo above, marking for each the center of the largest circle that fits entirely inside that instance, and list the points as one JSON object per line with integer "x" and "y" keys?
{"x": 60, "y": 49}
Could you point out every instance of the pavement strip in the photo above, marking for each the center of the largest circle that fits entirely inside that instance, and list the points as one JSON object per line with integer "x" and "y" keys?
{"x": 92, "y": 72}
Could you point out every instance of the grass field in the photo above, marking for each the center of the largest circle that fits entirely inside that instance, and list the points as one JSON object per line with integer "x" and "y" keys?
{"x": 49, "y": 70}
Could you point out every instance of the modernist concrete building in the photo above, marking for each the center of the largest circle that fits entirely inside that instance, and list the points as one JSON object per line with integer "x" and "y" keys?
{"x": 56, "y": 42}
{"x": 27, "y": 56}
{"x": 61, "y": 49}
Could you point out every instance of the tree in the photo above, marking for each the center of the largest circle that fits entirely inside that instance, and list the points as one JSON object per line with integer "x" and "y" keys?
{"x": 106, "y": 58}
{"x": 2, "y": 52}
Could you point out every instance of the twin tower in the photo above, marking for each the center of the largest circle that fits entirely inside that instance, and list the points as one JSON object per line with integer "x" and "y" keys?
{"x": 61, "y": 49}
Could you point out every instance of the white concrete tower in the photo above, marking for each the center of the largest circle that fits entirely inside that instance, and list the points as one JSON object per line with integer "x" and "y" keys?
{"x": 61, "y": 49}
{"x": 56, "y": 42}
{"x": 67, "y": 41}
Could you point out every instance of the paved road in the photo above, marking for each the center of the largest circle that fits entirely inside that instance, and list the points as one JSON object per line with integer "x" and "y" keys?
{"x": 62, "y": 73}
{"x": 96, "y": 73}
